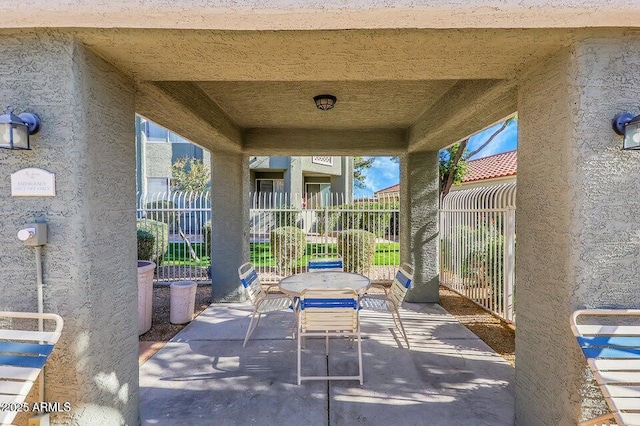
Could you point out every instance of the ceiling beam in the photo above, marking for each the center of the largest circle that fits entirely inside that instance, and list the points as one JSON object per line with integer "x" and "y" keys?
{"x": 468, "y": 107}
{"x": 324, "y": 142}
{"x": 184, "y": 109}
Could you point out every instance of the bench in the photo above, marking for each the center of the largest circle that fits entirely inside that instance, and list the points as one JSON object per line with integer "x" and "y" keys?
{"x": 23, "y": 355}
{"x": 612, "y": 349}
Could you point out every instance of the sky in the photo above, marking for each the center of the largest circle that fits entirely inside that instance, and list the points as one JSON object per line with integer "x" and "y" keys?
{"x": 384, "y": 172}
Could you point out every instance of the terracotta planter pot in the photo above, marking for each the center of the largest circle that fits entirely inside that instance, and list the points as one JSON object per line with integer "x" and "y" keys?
{"x": 145, "y": 295}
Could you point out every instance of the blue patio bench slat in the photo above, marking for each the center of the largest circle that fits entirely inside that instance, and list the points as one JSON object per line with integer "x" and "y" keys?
{"x": 610, "y": 340}
{"x": 27, "y": 348}
{"x": 325, "y": 264}
{"x": 617, "y": 353}
{"x": 322, "y": 265}
{"x": 328, "y": 303}
{"x": 23, "y": 361}
{"x": 616, "y": 341}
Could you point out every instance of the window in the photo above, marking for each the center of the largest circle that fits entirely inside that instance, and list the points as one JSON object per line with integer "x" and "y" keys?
{"x": 270, "y": 185}
{"x": 318, "y": 194}
{"x": 270, "y": 192}
{"x": 155, "y": 133}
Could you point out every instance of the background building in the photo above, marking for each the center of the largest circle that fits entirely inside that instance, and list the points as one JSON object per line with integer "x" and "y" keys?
{"x": 313, "y": 176}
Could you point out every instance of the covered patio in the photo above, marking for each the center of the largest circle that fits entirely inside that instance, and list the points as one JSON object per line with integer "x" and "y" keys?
{"x": 448, "y": 377}
{"x": 239, "y": 79}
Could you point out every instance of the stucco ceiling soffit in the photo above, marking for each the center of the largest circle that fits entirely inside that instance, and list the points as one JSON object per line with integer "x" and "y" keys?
{"x": 361, "y": 104}
{"x": 185, "y": 110}
{"x": 341, "y": 55}
{"x": 326, "y": 14}
{"x": 466, "y": 108}
{"x": 296, "y": 142}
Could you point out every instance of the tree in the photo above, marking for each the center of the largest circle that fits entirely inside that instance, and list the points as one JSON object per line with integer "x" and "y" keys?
{"x": 453, "y": 164}
{"x": 360, "y": 164}
{"x": 189, "y": 174}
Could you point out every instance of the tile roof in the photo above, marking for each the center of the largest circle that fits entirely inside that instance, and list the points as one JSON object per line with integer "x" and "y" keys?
{"x": 494, "y": 166}
{"x": 392, "y": 188}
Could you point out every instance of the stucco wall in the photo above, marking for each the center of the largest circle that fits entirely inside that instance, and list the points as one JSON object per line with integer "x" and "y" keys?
{"x": 309, "y": 166}
{"x": 87, "y": 140}
{"x": 578, "y": 242}
{"x": 158, "y": 159}
{"x": 419, "y": 223}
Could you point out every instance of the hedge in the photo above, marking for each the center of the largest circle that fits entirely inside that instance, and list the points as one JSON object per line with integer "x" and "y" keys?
{"x": 160, "y": 231}
{"x": 288, "y": 245}
{"x": 357, "y": 248}
{"x": 286, "y": 216}
{"x": 146, "y": 243}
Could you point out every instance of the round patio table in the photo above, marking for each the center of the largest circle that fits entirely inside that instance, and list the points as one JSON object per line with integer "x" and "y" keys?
{"x": 294, "y": 285}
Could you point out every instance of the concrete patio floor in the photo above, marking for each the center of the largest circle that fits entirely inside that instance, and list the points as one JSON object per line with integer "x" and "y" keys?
{"x": 204, "y": 376}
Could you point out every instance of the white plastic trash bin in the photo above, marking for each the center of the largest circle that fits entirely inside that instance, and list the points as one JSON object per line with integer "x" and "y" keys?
{"x": 183, "y": 301}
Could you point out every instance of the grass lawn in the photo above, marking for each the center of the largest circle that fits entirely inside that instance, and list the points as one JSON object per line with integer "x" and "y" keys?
{"x": 260, "y": 254}
{"x": 386, "y": 253}
{"x": 178, "y": 255}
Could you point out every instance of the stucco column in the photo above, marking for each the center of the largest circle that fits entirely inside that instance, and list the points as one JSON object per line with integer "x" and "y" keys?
{"x": 230, "y": 224}
{"x": 578, "y": 242}
{"x": 293, "y": 181}
{"x": 89, "y": 263}
{"x": 419, "y": 223}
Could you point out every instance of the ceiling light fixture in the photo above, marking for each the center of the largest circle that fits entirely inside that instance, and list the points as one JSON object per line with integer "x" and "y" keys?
{"x": 325, "y": 102}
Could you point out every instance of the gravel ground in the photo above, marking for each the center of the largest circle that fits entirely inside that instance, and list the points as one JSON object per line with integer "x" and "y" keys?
{"x": 497, "y": 334}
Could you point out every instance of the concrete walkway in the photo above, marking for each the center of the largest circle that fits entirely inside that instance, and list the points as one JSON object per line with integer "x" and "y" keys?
{"x": 204, "y": 376}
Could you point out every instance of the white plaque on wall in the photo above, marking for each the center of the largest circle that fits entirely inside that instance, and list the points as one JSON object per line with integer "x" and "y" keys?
{"x": 33, "y": 182}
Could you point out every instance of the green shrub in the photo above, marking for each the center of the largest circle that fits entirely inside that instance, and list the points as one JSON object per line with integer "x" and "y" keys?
{"x": 373, "y": 217}
{"x": 146, "y": 243}
{"x": 286, "y": 216}
{"x": 481, "y": 250}
{"x": 357, "y": 248}
{"x": 160, "y": 231}
{"x": 288, "y": 245}
{"x": 326, "y": 220}
{"x": 206, "y": 235}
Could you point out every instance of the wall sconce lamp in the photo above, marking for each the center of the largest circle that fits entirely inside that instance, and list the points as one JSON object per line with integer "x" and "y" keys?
{"x": 627, "y": 125}
{"x": 325, "y": 102}
{"x": 15, "y": 129}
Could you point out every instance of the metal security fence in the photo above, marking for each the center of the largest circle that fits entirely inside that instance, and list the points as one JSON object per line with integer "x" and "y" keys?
{"x": 181, "y": 225}
{"x": 477, "y": 245}
{"x": 287, "y": 230}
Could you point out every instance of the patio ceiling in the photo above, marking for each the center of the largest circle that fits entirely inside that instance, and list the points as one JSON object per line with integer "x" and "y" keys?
{"x": 397, "y": 89}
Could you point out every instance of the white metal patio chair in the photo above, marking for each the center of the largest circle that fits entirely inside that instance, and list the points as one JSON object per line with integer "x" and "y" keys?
{"x": 392, "y": 298}
{"x": 610, "y": 340}
{"x": 325, "y": 264}
{"x": 23, "y": 355}
{"x": 325, "y": 313}
{"x": 262, "y": 302}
